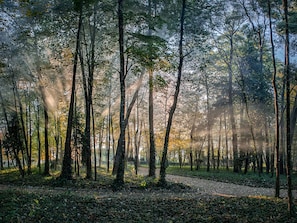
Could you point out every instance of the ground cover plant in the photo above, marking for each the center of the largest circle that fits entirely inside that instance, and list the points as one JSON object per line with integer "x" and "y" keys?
{"x": 223, "y": 175}
{"x": 38, "y": 198}
{"x": 19, "y": 206}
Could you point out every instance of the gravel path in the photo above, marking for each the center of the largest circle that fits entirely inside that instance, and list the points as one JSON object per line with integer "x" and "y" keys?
{"x": 211, "y": 187}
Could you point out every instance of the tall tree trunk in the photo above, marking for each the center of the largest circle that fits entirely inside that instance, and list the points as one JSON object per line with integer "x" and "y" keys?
{"x": 38, "y": 138}
{"x": 226, "y": 141}
{"x": 192, "y": 136}
{"x": 1, "y": 156}
{"x": 208, "y": 124}
{"x": 94, "y": 143}
{"x": 162, "y": 179}
{"x": 29, "y": 137}
{"x": 152, "y": 161}
{"x": 293, "y": 119}
{"x": 120, "y": 158}
{"x": 219, "y": 144}
{"x": 109, "y": 134}
{"x": 231, "y": 109}
{"x": 137, "y": 139}
{"x": 23, "y": 130}
{"x": 66, "y": 167}
{"x": 288, "y": 109}
{"x": 267, "y": 149}
{"x": 57, "y": 139}
{"x": 88, "y": 92}
{"x": 46, "y": 146}
{"x": 124, "y": 122}
{"x": 101, "y": 132}
{"x": 276, "y": 108}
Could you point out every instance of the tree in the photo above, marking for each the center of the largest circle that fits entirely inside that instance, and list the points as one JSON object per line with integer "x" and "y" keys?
{"x": 120, "y": 158}
{"x": 152, "y": 161}
{"x": 164, "y": 164}
{"x": 276, "y": 104}
{"x": 66, "y": 167}
{"x": 288, "y": 108}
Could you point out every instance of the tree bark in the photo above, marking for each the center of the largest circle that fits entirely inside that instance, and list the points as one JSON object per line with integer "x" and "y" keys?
{"x": 162, "y": 180}
{"x": 1, "y": 156}
{"x": 66, "y": 167}
{"x": 120, "y": 158}
{"x": 219, "y": 144}
{"x": 46, "y": 146}
{"x": 23, "y": 130}
{"x": 38, "y": 138}
{"x": 231, "y": 109}
{"x": 276, "y": 108}
{"x": 288, "y": 109}
{"x": 152, "y": 160}
{"x": 226, "y": 141}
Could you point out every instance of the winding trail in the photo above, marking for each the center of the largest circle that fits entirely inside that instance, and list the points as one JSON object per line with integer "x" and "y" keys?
{"x": 211, "y": 187}
{"x": 200, "y": 187}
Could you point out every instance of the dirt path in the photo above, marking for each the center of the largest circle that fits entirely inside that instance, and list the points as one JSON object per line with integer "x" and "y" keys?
{"x": 222, "y": 189}
{"x": 201, "y": 187}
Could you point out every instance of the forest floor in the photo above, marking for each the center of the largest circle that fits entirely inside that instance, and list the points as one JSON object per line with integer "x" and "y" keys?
{"x": 199, "y": 201}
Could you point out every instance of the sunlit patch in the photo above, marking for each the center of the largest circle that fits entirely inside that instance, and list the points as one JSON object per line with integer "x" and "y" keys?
{"x": 223, "y": 195}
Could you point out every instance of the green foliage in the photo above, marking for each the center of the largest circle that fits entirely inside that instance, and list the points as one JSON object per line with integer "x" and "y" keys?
{"x": 147, "y": 49}
{"x": 160, "y": 82}
{"x": 80, "y": 3}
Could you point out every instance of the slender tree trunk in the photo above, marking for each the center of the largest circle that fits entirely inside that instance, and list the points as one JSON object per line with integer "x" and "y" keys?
{"x": 226, "y": 141}
{"x": 152, "y": 161}
{"x": 108, "y": 139}
{"x": 30, "y": 137}
{"x": 293, "y": 118}
{"x": 46, "y": 146}
{"x": 192, "y": 137}
{"x": 267, "y": 150}
{"x": 137, "y": 145}
{"x": 57, "y": 139}
{"x": 24, "y": 134}
{"x": 128, "y": 145}
{"x": 137, "y": 137}
{"x": 101, "y": 132}
{"x": 219, "y": 146}
{"x": 66, "y": 167}
{"x": 276, "y": 108}
{"x": 162, "y": 179}
{"x": 94, "y": 143}
{"x": 288, "y": 109}
{"x": 88, "y": 92}
{"x": 231, "y": 109}
{"x": 119, "y": 152}
{"x": 208, "y": 124}
{"x": 38, "y": 138}
{"x": 1, "y": 156}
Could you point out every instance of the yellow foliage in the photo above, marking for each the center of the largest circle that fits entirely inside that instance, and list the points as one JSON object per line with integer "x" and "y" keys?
{"x": 67, "y": 54}
{"x": 176, "y": 141}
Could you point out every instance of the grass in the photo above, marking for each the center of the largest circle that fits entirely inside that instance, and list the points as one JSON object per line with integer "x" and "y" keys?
{"x": 249, "y": 179}
{"x": 141, "y": 200}
{"x": 104, "y": 180}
